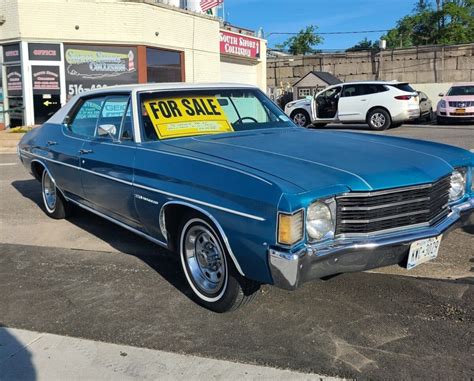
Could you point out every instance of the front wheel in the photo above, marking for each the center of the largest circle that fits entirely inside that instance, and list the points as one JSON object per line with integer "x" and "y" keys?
{"x": 301, "y": 117}
{"x": 379, "y": 119}
{"x": 54, "y": 203}
{"x": 212, "y": 277}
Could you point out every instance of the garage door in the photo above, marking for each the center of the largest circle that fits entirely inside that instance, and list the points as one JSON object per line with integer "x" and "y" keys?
{"x": 237, "y": 73}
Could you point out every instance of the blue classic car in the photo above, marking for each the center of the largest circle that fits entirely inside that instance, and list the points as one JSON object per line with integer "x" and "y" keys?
{"x": 221, "y": 176}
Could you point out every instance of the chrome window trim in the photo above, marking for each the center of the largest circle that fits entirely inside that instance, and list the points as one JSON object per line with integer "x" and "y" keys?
{"x": 232, "y": 211}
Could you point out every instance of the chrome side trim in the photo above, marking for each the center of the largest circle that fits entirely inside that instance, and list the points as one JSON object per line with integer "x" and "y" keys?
{"x": 121, "y": 224}
{"x": 50, "y": 175}
{"x": 356, "y": 208}
{"x": 232, "y": 211}
{"x": 391, "y": 217}
{"x": 251, "y": 216}
{"x": 218, "y": 226}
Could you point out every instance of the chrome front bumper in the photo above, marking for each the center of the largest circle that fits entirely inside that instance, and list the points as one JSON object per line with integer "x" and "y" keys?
{"x": 290, "y": 269}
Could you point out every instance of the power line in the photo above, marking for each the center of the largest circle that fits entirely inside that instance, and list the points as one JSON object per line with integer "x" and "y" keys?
{"x": 326, "y": 33}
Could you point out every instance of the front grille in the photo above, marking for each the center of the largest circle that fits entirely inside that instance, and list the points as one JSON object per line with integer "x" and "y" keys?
{"x": 366, "y": 213}
{"x": 461, "y": 104}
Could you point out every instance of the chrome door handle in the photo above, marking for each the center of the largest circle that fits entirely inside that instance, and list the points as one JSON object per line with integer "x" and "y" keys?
{"x": 51, "y": 143}
{"x": 85, "y": 151}
{"x": 363, "y": 100}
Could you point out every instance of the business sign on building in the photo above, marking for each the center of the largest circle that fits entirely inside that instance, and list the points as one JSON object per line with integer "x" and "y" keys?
{"x": 44, "y": 52}
{"x": 14, "y": 81}
{"x": 45, "y": 79}
{"x": 11, "y": 53}
{"x": 94, "y": 66}
{"x": 238, "y": 45}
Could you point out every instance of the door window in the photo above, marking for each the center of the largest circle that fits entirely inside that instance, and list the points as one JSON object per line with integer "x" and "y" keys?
{"x": 111, "y": 116}
{"x": 85, "y": 120}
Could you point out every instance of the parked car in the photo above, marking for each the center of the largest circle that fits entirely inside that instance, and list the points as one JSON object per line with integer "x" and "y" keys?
{"x": 426, "y": 108}
{"x": 219, "y": 175}
{"x": 457, "y": 105}
{"x": 380, "y": 104}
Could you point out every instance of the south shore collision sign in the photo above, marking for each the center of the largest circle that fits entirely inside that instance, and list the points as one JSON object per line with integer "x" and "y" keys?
{"x": 234, "y": 44}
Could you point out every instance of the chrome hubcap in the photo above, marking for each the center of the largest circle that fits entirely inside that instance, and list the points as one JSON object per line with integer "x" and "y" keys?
{"x": 205, "y": 259}
{"x": 378, "y": 120}
{"x": 300, "y": 119}
{"x": 49, "y": 191}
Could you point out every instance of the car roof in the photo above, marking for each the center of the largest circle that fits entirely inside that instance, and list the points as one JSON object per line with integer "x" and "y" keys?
{"x": 463, "y": 84}
{"x": 373, "y": 82}
{"x": 167, "y": 86}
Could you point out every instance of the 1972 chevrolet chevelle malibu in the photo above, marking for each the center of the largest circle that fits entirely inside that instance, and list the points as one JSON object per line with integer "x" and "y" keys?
{"x": 218, "y": 174}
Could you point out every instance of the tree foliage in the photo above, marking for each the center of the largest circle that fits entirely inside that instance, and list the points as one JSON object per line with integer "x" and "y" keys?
{"x": 433, "y": 23}
{"x": 304, "y": 42}
{"x": 364, "y": 44}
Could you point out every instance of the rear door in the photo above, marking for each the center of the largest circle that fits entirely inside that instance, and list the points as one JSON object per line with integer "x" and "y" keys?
{"x": 107, "y": 161}
{"x": 353, "y": 105}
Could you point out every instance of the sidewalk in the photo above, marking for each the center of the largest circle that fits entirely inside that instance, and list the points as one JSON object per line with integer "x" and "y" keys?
{"x": 9, "y": 141}
{"x": 26, "y": 355}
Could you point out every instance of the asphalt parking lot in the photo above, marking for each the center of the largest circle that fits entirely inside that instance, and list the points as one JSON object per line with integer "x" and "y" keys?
{"x": 85, "y": 277}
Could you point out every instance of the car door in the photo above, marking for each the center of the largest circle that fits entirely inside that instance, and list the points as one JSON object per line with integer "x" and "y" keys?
{"x": 424, "y": 103}
{"x": 107, "y": 161}
{"x": 78, "y": 126}
{"x": 325, "y": 105}
{"x": 354, "y": 103}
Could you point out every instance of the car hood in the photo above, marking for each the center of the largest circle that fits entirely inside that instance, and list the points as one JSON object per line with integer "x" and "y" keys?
{"x": 322, "y": 159}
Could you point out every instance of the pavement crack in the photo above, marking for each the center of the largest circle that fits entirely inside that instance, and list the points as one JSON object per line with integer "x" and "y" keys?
{"x": 22, "y": 348}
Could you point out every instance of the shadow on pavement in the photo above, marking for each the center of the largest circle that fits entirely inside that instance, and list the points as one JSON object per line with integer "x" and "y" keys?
{"x": 159, "y": 259}
{"x": 15, "y": 359}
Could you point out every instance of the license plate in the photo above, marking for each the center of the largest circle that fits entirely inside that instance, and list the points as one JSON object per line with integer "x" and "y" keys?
{"x": 460, "y": 110}
{"x": 423, "y": 250}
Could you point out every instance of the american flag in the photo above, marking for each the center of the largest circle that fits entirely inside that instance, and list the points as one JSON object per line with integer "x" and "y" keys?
{"x": 208, "y": 4}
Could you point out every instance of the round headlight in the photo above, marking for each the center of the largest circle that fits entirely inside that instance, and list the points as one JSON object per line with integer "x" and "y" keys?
{"x": 458, "y": 185}
{"x": 319, "y": 221}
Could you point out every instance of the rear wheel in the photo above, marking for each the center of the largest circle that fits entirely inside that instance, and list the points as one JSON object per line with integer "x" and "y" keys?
{"x": 212, "y": 277}
{"x": 54, "y": 203}
{"x": 301, "y": 117}
{"x": 379, "y": 119}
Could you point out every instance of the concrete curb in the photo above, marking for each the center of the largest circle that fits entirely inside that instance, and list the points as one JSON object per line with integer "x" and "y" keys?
{"x": 26, "y": 355}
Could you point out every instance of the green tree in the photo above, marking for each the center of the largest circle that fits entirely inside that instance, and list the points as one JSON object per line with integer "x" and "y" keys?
{"x": 364, "y": 44}
{"x": 304, "y": 42}
{"x": 450, "y": 22}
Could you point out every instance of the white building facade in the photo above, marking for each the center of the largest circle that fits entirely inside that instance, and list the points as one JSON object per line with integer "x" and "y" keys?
{"x": 52, "y": 49}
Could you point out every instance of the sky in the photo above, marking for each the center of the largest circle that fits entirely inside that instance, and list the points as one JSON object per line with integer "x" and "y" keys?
{"x": 329, "y": 15}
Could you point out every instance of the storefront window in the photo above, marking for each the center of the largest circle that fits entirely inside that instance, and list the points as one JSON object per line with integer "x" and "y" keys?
{"x": 163, "y": 65}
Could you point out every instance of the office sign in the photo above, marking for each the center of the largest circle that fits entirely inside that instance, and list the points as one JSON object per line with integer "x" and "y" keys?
{"x": 94, "y": 66}
{"x": 44, "y": 52}
{"x": 45, "y": 79}
{"x": 14, "y": 81}
{"x": 11, "y": 53}
{"x": 238, "y": 45}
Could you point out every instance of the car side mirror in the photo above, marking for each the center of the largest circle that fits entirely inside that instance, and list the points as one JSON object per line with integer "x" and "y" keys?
{"x": 104, "y": 130}
{"x": 441, "y": 95}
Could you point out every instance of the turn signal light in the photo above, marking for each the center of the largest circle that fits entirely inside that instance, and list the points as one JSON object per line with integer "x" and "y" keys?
{"x": 290, "y": 228}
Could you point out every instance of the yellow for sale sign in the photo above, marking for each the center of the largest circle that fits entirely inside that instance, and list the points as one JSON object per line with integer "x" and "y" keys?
{"x": 189, "y": 116}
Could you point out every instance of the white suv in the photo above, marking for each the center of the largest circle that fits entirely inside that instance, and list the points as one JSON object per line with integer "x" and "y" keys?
{"x": 380, "y": 104}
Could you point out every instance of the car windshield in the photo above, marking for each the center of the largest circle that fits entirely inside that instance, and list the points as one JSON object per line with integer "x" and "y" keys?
{"x": 167, "y": 115}
{"x": 461, "y": 90}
